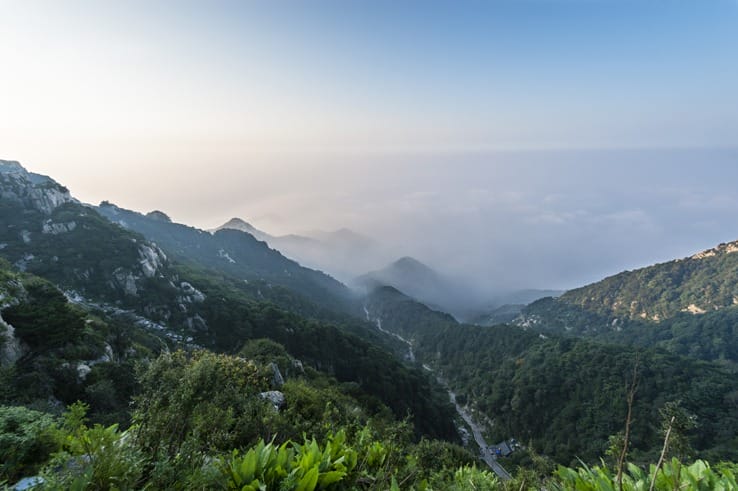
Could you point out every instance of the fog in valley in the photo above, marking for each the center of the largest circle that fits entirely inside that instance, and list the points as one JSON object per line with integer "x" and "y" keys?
{"x": 520, "y": 146}
{"x": 494, "y": 222}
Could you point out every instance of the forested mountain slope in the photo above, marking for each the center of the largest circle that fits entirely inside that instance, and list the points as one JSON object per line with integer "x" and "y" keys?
{"x": 687, "y": 306}
{"x": 48, "y": 233}
{"x": 423, "y": 283}
{"x": 233, "y": 252}
{"x": 104, "y": 267}
{"x": 566, "y": 396}
{"x": 52, "y": 351}
{"x": 342, "y": 253}
{"x": 404, "y": 315}
{"x": 704, "y": 282}
{"x": 250, "y": 268}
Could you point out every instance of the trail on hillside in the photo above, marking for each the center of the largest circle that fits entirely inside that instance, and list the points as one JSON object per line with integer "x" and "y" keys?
{"x": 485, "y": 452}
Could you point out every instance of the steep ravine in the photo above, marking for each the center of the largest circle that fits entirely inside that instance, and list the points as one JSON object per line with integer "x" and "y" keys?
{"x": 485, "y": 453}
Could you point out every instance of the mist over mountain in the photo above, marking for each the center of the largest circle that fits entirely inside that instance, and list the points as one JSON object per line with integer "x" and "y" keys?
{"x": 369, "y": 246}
{"x": 507, "y": 307}
{"x": 234, "y": 252}
{"x": 342, "y": 253}
{"x": 354, "y": 258}
{"x": 500, "y": 220}
{"x": 426, "y": 285}
{"x": 243, "y": 226}
{"x": 87, "y": 293}
{"x": 88, "y": 278}
{"x": 522, "y": 374}
{"x": 458, "y": 296}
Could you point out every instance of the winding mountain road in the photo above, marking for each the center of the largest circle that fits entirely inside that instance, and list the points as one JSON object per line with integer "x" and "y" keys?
{"x": 486, "y": 454}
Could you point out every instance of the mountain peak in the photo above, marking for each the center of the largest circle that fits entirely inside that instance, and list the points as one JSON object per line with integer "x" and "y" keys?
{"x": 159, "y": 216}
{"x": 8, "y": 166}
{"x": 724, "y": 248}
{"x": 408, "y": 260}
{"x": 238, "y": 224}
{"x": 243, "y": 226}
{"x": 32, "y": 190}
{"x": 407, "y": 264}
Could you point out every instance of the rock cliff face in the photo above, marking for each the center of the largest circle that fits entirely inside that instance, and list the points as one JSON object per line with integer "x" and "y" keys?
{"x": 152, "y": 262}
{"x": 49, "y": 227}
{"x": 152, "y": 259}
{"x": 10, "y": 346}
{"x": 232, "y": 252}
{"x": 48, "y": 233}
{"x": 31, "y": 190}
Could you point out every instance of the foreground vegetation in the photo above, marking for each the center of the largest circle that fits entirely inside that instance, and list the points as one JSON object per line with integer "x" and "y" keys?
{"x": 565, "y": 396}
{"x": 200, "y": 423}
{"x": 230, "y": 367}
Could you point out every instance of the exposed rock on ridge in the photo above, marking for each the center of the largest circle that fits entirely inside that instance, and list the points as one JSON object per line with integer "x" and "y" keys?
{"x": 32, "y": 190}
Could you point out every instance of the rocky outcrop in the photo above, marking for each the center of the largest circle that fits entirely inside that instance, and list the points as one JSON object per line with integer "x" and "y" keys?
{"x": 11, "y": 166}
{"x": 125, "y": 281}
{"x": 83, "y": 370}
{"x": 223, "y": 254}
{"x": 191, "y": 294}
{"x": 52, "y": 228}
{"x": 196, "y": 323}
{"x": 31, "y": 190}
{"x": 85, "y": 367}
{"x": 151, "y": 259}
{"x": 159, "y": 216}
{"x": 275, "y": 397}
{"x": 728, "y": 248}
{"x": 11, "y": 292}
{"x": 22, "y": 264}
{"x": 10, "y": 347}
{"x": 277, "y": 379}
{"x": 297, "y": 365}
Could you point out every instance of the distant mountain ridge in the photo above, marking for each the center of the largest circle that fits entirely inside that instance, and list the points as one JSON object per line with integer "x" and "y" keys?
{"x": 234, "y": 251}
{"x": 706, "y": 281}
{"x": 687, "y": 306}
{"x": 541, "y": 386}
{"x": 423, "y": 283}
{"x": 44, "y": 234}
{"x": 242, "y": 225}
{"x": 104, "y": 260}
{"x": 405, "y": 272}
{"x": 343, "y": 253}
{"x": 506, "y": 308}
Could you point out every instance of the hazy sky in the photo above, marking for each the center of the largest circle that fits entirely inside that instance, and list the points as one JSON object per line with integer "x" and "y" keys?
{"x": 515, "y": 141}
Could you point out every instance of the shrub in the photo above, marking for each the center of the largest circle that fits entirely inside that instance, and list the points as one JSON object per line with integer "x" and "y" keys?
{"x": 26, "y": 441}
{"x": 99, "y": 457}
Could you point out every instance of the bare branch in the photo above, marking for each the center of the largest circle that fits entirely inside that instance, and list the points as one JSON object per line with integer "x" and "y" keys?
{"x": 628, "y": 420}
{"x": 663, "y": 453}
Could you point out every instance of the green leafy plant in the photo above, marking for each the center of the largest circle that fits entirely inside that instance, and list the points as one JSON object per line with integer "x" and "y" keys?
{"x": 673, "y": 475}
{"x": 96, "y": 457}
{"x": 303, "y": 467}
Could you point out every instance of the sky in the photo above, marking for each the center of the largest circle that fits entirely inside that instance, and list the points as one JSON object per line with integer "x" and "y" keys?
{"x": 530, "y": 143}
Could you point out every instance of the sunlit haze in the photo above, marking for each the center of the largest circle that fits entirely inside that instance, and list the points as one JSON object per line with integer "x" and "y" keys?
{"x": 530, "y": 143}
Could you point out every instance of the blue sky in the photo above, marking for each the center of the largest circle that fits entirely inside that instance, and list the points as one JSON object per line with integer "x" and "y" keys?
{"x": 380, "y": 74}
{"x": 403, "y": 119}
